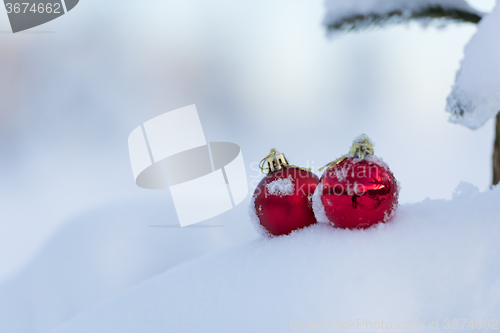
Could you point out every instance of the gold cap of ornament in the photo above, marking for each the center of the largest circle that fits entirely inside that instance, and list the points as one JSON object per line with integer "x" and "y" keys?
{"x": 275, "y": 161}
{"x": 361, "y": 147}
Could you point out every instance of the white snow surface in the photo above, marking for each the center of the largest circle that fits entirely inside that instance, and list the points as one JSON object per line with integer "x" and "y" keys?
{"x": 435, "y": 260}
{"x": 475, "y": 97}
{"x": 338, "y": 10}
{"x": 103, "y": 252}
{"x": 281, "y": 187}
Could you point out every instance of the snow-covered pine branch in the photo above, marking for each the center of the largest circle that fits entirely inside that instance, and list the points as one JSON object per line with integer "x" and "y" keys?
{"x": 355, "y": 15}
{"x": 475, "y": 97}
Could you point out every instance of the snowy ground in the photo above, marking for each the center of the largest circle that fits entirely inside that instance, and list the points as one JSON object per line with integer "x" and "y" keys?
{"x": 436, "y": 260}
{"x": 101, "y": 253}
{"x": 74, "y": 228}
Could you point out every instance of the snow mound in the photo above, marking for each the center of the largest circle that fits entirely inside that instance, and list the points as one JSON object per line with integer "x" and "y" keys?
{"x": 475, "y": 97}
{"x": 103, "y": 252}
{"x": 358, "y": 14}
{"x": 435, "y": 260}
{"x": 465, "y": 190}
{"x": 281, "y": 187}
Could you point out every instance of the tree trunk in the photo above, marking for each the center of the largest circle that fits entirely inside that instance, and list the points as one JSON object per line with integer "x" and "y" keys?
{"x": 496, "y": 153}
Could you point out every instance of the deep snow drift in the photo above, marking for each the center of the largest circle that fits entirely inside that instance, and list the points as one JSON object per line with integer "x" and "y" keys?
{"x": 435, "y": 260}
{"x": 475, "y": 97}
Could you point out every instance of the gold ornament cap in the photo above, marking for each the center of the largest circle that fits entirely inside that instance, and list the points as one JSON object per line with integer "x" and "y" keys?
{"x": 361, "y": 147}
{"x": 274, "y": 161}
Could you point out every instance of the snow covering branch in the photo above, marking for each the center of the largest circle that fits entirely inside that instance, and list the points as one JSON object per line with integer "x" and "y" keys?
{"x": 355, "y": 15}
{"x": 475, "y": 97}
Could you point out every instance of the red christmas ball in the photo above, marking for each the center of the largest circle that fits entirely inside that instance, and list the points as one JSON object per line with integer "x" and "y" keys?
{"x": 282, "y": 200}
{"x": 357, "y": 193}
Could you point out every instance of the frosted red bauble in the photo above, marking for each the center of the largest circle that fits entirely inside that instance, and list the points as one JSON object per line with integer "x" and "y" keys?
{"x": 283, "y": 200}
{"x": 357, "y": 194}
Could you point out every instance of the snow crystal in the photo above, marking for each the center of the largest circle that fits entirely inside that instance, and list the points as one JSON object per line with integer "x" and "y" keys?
{"x": 281, "y": 187}
{"x": 434, "y": 261}
{"x": 343, "y": 14}
{"x": 254, "y": 219}
{"x": 341, "y": 174}
{"x": 475, "y": 97}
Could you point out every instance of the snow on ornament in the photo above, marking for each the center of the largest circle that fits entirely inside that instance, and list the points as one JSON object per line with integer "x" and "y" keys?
{"x": 281, "y": 186}
{"x": 357, "y": 190}
{"x": 282, "y": 202}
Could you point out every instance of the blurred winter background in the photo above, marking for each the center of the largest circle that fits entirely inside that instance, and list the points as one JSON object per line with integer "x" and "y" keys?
{"x": 74, "y": 228}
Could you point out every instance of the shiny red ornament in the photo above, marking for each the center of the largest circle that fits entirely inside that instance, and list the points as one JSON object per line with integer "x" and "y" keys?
{"x": 358, "y": 193}
{"x": 282, "y": 200}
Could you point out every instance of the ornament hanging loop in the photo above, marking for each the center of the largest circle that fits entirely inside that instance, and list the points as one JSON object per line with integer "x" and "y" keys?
{"x": 332, "y": 164}
{"x": 361, "y": 147}
{"x": 273, "y": 162}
